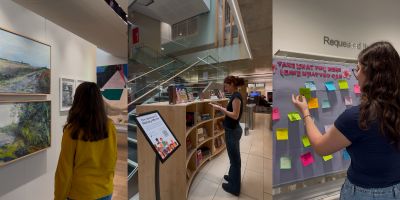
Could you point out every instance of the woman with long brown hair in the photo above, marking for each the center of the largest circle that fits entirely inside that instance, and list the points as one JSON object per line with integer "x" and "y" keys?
{"x": 370, "y": 131}
{"x": 233, "y": 133}
{"x": 88, "y": 154}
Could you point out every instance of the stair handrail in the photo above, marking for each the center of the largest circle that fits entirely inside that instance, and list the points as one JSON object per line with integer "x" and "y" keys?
{"x": 155, "y": 88}
{"x": 129, "y": 81}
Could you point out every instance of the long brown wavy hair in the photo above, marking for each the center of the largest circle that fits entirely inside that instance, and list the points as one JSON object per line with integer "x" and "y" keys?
{"x": 380, "y": 100}
{"x": 87, "y": 119}
{"x": 237, "y": 82}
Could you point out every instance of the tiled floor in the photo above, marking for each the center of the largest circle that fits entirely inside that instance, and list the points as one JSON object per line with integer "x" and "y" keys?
{"x": 256, "y": 155}
{"x": 120, "y": 178}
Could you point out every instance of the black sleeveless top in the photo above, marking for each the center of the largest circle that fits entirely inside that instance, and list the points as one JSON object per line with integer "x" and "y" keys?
{"x": 229, "y": 122}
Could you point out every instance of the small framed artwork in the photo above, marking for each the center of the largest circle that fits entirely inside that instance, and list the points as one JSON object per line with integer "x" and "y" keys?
{"x": 78, "y": 82}
{"x": 67, "y": 91}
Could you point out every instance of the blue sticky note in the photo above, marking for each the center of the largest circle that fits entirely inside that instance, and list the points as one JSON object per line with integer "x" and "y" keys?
{"x": 310, "y": 85}
{"x": 326, "y": 103}
{"x": 346, "y": 155}
{"x": 330, "y": 86}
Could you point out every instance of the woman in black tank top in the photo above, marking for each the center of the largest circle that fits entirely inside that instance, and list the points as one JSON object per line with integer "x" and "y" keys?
{"x": 233, "y": 133}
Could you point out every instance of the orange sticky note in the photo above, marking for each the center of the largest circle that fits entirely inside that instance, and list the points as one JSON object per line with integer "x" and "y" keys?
{"x": 313, "y": 103}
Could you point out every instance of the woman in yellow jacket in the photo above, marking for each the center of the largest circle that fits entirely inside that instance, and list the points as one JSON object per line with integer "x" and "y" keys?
{"x": 86, "y": 165}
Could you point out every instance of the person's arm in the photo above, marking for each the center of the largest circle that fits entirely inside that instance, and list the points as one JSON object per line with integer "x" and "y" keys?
{"x": 236, "y": 109}
{"x": 332, "y": 141}
{"x": 63, "y": 176}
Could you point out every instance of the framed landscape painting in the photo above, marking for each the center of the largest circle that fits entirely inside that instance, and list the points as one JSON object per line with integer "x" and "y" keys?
{"x": 67, "y": 91}
{"x": 24, "y": 129}
{"x": 24, "y": 65}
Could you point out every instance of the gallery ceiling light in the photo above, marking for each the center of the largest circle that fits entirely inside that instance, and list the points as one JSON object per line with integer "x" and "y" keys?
{"x": 240, "y": 23}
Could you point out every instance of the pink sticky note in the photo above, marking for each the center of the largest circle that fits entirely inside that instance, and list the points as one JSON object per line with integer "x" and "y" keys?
{"x": 357, "y": 89}
{"x": 348, "y": 101}
{"x": 307, "y": 159}
{"x": 276, "y": 114}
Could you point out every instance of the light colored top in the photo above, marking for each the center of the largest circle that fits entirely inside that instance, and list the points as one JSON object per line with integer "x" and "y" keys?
{"x": 85, "y": 170}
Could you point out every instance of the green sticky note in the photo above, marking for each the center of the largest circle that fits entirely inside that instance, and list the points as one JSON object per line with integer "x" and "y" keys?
{"x": 282, "y": 134}
{"x": 343, "y": 84}
{"x": 294, "y": 116}
{"x": 305, "y": 92}
{"x": 306, "y": 141}
{"x": 328, "y": 157}
{"x": 286, "y": 163}
{"x": 326, "y": 104}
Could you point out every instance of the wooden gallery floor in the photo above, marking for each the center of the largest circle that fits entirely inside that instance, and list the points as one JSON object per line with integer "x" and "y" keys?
{"x": 121, "y": 170}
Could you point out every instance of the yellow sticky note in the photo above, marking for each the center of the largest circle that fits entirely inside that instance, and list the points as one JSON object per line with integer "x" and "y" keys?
{"x": 328, "y": 157}
{"x": 313, "y": 103}
{"x": 282, "y": 134}
{"x": 294, "y": 116}
{"x": 343, "y": 84}
{"x": 305, "y": 140}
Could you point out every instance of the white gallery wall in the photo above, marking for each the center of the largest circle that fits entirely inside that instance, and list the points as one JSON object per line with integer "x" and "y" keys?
{"x": 299, "y": 26}
{"x": 33, "y": 177}
{"x": 104, "y": 58}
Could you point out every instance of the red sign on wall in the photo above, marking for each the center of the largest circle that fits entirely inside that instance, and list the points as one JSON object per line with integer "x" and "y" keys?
{"x": 135, "y": 35}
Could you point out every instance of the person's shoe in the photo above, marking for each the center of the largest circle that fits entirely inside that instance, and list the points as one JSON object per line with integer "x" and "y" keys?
{"x": 226, "y": 177}
{"x": 227, "y": 189}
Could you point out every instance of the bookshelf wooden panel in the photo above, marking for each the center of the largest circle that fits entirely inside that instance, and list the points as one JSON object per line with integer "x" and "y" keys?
{"x": 178, "y": 172}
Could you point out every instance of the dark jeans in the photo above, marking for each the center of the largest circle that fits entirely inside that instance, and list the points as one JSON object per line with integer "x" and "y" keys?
{"x": 232, "y": 138}
{"x": 108, "y": 197}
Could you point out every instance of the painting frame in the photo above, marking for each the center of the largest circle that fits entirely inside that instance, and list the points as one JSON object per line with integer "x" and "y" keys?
{"x": 49, "y": 129}
{"x": 78, "y": 82}
{"x": 43, "y": 77}
{"x": 63, "y": 94}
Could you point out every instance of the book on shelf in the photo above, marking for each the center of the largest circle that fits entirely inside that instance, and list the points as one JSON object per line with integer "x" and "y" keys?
{"x": 201, "y": 134}
{"x": 205, "y": 116}
{"x": 205, "y": 151}
{"x": 199, "y": 157}
{"x": 218, "y": 113}
{"x": 190, "y": 119}
{"x": 201, "y": 138}
{"x": 189, "y": 145}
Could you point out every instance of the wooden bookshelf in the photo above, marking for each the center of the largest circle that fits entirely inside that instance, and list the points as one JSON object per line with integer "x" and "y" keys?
{"x": 175, "y": 178}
